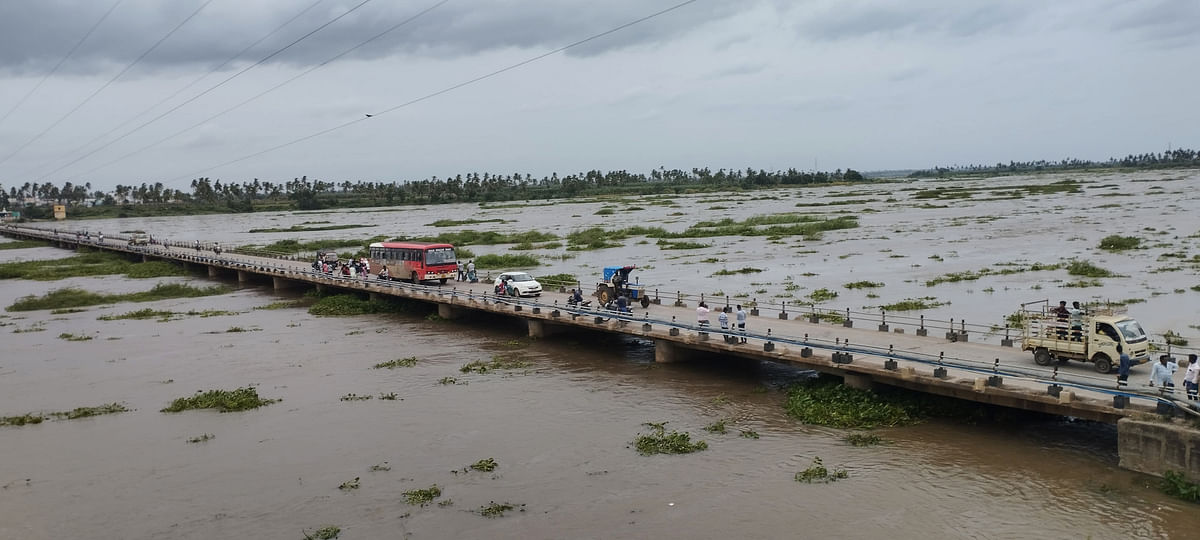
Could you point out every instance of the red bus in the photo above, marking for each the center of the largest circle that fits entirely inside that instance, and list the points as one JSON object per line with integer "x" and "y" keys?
{"x": 414, "y": 261}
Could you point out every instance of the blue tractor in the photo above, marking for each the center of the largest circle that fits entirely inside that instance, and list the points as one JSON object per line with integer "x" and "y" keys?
{"x": 616, "y": 283}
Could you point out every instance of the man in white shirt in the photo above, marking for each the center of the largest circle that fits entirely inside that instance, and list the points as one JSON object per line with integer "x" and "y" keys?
{"x": 1160, "y": 375}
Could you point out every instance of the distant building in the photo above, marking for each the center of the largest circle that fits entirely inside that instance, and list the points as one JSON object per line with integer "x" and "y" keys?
{"x": 60, "y": 211}
{"x": 6, "y": 215}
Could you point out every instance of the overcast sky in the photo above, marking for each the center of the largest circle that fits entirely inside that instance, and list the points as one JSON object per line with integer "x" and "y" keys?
{"x": 864, "y": 84}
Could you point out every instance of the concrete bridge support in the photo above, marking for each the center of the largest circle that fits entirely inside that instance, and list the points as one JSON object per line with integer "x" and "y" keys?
{"x": 540, "y": 329}
{"x": 1157, "y": 447}
{"x": 284, "y": 283}
{"x": 214, "y": 272}
{"x": 145, "y": 258}
{"x": 243, "y": 276}
{"x": 861, "y": 382}
{"x": 666, "y": 352}
{"x": 448, "y": 312}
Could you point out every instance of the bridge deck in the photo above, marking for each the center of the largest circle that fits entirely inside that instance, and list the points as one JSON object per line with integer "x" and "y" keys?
{"x": 969, "y": 367}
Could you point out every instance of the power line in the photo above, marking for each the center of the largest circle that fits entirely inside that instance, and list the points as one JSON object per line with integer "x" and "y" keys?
{"x": 179, "y": 91}
{"x": 60, "y": 62}
{"x": 259, "y": 95}
{"x": 106, "y": 85}
{"x": 443, "y": 91}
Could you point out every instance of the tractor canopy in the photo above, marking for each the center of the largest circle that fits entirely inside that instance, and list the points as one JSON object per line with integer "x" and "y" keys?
{"x": 623, "y": 270}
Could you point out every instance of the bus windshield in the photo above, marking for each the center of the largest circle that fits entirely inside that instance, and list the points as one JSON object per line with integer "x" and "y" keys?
{"x": 1132, "y": 331}
{"x": 440, "y": 256}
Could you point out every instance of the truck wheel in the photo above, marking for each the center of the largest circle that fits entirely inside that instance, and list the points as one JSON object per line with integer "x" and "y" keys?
{"x": 1102, "y": 363}
{"x": 645, "y": 302}
{"x": 1042, "y": 357}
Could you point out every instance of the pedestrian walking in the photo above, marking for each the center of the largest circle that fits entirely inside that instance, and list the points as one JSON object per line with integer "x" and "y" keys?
{"x": 702, "y": 315}
{"x": 740, "y": 317}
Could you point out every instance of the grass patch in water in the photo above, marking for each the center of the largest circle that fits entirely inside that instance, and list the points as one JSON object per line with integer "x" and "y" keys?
{"x": 821, "y": 295}
{"x": 422, "y": 496}
{"x": 201, "y": 438}
{"x": 327, "y": 532}
{"x": 863, "y": 285}
{"x": 485, "y": 465}
{"x": 22, "y": 420}
{"x": 717, "y": 427}
{"x": 471, "y": 237}
{"x": 1175, "y": 484}
{"x": 863, "y": 439}
{"x": 494, "y": 509}
{"x": 506, "y": 260}
{"x": 497, "y": 363}
{"x": 283, "y": 304}
{"x": 913, "y": 304}
{"x": 302, "y": 228}
{"x": 825, "y": 402}
{"x": 397, "y": 363}
{"x": 73, "y": 297}
{"x": 22, "y": 244}
{"x": 1087, "y": 269}
{"x": 164, "y": 316}
{"x": 1116, "y": 242}
{"x": 458, "y": 222}
{"x": 349, "y": 484}
{"x": 355, "y": 397}
{"x": 661, "y": 442}
{"x": 66, "y": 310}
{"x": 667, "y": 244}
{"x": 88, "y": 264}
{"x": 222, "y": 400}
{"x": 817, "y": 473}
{"x": 344, "y": 305}
{"x": 746, "y": 270}
{"x": 73, "y": 337}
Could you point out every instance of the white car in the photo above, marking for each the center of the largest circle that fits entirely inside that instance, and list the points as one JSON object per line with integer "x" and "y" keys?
{"x": 521, "y": 283}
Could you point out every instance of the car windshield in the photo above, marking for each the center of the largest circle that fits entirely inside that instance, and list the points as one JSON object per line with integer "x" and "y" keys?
{"x": 1132, "y": 331}
{"x": 520, "y": 277}
{"x": 440, "y": 256}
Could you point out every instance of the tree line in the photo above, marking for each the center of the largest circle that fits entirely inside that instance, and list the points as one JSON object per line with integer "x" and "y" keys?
{"x": 1178, "y": 158}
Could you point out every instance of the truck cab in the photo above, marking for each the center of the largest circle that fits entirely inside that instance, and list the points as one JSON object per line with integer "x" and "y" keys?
{"x": 1092, "y": 338}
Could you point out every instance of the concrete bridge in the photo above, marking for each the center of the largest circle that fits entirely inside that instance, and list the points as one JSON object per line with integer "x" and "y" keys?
{"x": 946, "y": 365}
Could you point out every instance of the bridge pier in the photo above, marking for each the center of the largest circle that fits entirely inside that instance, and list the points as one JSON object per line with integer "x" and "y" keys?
{"x": 243, "y": 276}
{"x": 540, "y": 329}
{"x": 1154, "y": 448}
{"x": 448, "y": 312}
{"x": 666, "y": 352}
{"x": 145, "y": 258}
{"x": 861, "y": 382}
{"x": 283, "y": 283}
{"x": 214, "y": 272}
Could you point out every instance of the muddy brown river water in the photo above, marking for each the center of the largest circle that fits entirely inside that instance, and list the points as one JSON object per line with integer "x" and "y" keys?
{"x": 561, "y": 430}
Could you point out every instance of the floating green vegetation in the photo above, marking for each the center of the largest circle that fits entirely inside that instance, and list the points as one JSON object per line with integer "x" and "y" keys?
{"x": 201, "y": 438}
{"x": 826, "y": 402}
{"x": 667, "y": 244}
{"x": 817, "y": 473}
{"x": 837, "y": 203}
{"x": 1083, "y": 283}
{"x": 73, "y": 337}
{"x": 863, "y": 285}
{"x": 88, "y": 412}
{"x": 296, "y": 246}
{"x": 1087, "y": 269}
{"x": 355, "y": 397}
{"x": 562, "y": 280}
{"x": 661, "y": 442}
{"x": 506, "y": 260}
{"x": 164, "y": 316}
{"x": 605, "y": 212}
{"x": 73, "y": 297}
{"x": 458, "y": 222}
{"x": 22, "y": 244}
{"x": 397, "y": 363}
{"x": 485, "y": 465}
{"x": 24, "y": 419}
{"x": 779, "y": 225}
{"x": 1013, "y": 192}
{"x": 302, "y": 228}
{"x": 422, "y": 496}
{"x": 382, "y": 467}
{"x": 238, "y": 329}
{"x": 863, "y": 439}
{"x": 327, "y": 532}
{"x": 716, "y": 427}
{"x": 65, "y": 311}
{"x": 88, "y": 264}
{"x": 748, "y": 434}
{"x": 494, "y": 509}
{"x": 1174, "y": 339}
{"x": 497, "y": 363}
{"x": 745, "y": 270}
{"x": 283, "y": 304}
{"x": 1177, "y": 485}
{"x": 527, "y": 246}
{"x": 343, "y": 305}
{"x": 349, "y": 484}
{"x": 488, "y": 238}
{"x": 390, "y": 396}
{"x": 222, "y": 400}
{"x": 449, "y": 381}
{"x": 1119, "y": 243}
{"x": 821, "y": 295}
{"x": 913, "y": 304}
{"x": 1004, "y": 271}
{"x": 1016, "y": 319}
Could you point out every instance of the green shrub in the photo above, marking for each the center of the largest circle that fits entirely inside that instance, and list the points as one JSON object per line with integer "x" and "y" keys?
{"x": 506, "y": 260}
{"x": 1119, "y": 243}
{"x": 222, "y": 400}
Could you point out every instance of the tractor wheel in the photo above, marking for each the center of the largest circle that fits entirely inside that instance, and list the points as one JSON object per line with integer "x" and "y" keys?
{"x": 645, "y": 302}
{"x": 1102, "y": 363}
{"x": 604, "y": 296}
{"x": 1042, "y": 357}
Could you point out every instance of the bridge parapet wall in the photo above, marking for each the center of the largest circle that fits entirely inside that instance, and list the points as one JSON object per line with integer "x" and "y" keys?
{"x": 1157, "y": 447}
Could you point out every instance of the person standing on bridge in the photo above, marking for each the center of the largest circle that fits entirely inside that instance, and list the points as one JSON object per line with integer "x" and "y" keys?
{"x": 1123, "y": 365}
{"x": 1161, "y": 375}
{"x": 702, "y": 315}
{"x": 740, "y": 315}
{"x": 1191, "y": 378}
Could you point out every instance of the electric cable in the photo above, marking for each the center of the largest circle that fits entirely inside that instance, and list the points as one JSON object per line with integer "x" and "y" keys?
{"x": 107, "y": 84}
{"x": 60, "y": 62}
{"x": 443, "y": 91}
{"x": 255, "y": 97}
{"x": 182, "y": 89}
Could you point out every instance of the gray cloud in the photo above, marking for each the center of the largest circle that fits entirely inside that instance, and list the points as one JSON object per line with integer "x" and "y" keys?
{"x": 37, "y": 34}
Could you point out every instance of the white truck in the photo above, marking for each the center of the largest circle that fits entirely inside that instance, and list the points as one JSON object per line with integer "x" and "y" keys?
{"x": 1091, "y": 336}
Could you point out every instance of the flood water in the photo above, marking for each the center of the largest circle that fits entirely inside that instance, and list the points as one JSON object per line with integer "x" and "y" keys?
{"x": 561, "y": 430}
